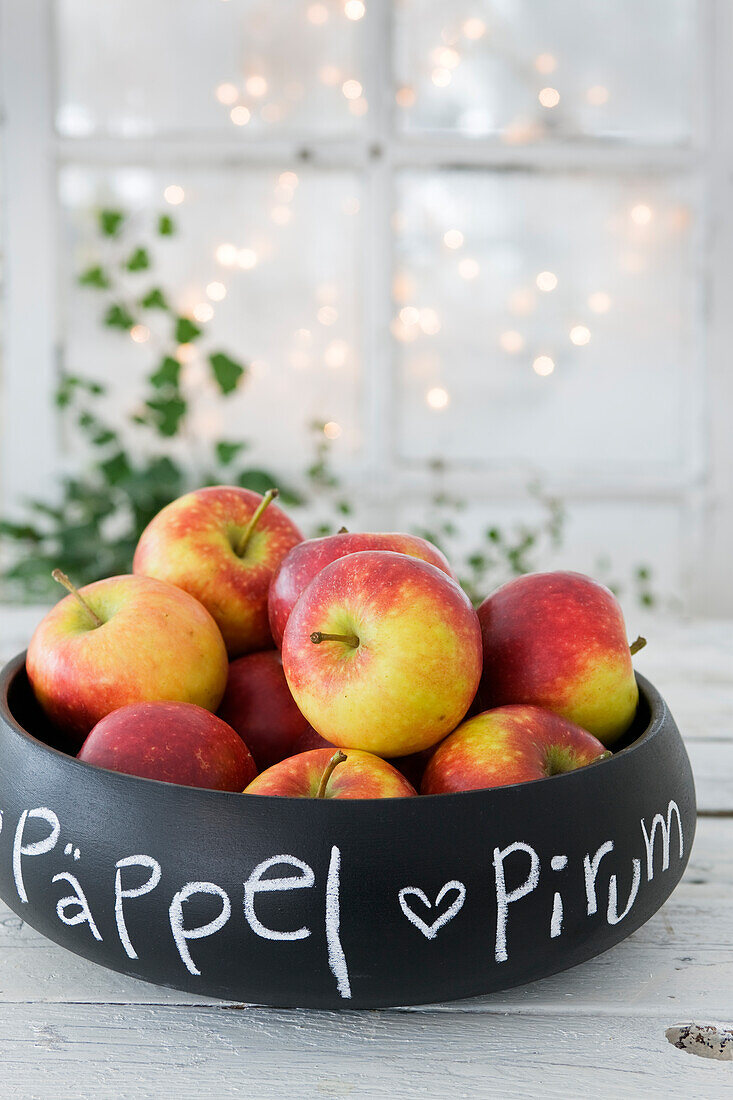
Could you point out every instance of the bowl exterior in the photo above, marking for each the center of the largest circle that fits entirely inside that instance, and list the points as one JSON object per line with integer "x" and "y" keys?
{"x": 335, "y": 904}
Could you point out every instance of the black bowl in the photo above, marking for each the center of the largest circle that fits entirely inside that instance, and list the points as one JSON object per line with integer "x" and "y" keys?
{"x": 333, "y": 904}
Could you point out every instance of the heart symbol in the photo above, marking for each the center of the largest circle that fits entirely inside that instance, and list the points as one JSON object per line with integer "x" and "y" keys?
{"x": 430, "y": 931}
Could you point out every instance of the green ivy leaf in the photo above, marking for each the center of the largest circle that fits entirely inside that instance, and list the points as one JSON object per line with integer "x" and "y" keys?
{"x": 167, "y": 413}
{"x": 95, "y": 276}
{"x": 103, "y": 437}
{"x": 110, "y": 222}
{"x": 225, "y": 451}
{"x": 166, "y": 225}
{"x": 167, "y": 373}
{"x": 154, "y": 299}
{"x": 227, "y": 371}
{"x": 21, "y": 532}
{"x": 116, "y": 468}
{"x": 186, "y": 330}
{"x": 139, "y": 260}
{"x": 117, "y": 316}
{"x": 259, "y": 481}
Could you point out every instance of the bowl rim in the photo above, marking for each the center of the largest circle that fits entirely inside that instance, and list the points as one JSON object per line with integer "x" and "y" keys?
{"x": 658, "y": 714}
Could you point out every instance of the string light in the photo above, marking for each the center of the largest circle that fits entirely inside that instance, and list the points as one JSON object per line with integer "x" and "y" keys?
{"x": 545, "y": 63}
{"x": 511, "y": 341}
{"x": 600, "y": 302}
{"x": 579, "y": 335}
{"x": 641, "y": 214}
{"x": 203, "y": 312}
{"x": 256, "y": 86}
{"x": 304, "y": 336}
{"x": 332, "y": 430}
{"x": 474, "y": 29}
{"x": 140, "y": 333}
{"x": 543, "y": 365}
{"x": 354, "y": 9}
{"x": 336, "y": 353}
{"x": 429, "y": 322}
{"x": 405, "y": 96}
{"x": 240, "y": 115}
{"x": 468, "y": 269}
{"x": 441, "y": 78}
{"x": 453, "y": 238}
{"x": 549, "y": 97}
{"x": 227, "y": 93}
{"x": 409, "y": 315}
{"x": 437, "y": 397}
{"x": 446, "y": 57}
{"x": 185, "y": 353}
{"x": 402, "y": 332}
{"x": 317, "y": 14}
{"x": 352, "y": 89}
{"x": 327, "y": 315}
{"x": 597, "y": 95}
{"x": 216, "y": 291}
{"x": 358, "y": 106}
{"x": 329, "y": 75}
{"x": 403, "y": 287}
{"x": 288, "y": 179}
{"x": 226, "y": 255}
{"x": 281, "y": 215}
{"x": 174, "y": 194}
{"x": 246, "y": 258}
{"x": 546, "y": 281}
{"x": 521, "y": 302}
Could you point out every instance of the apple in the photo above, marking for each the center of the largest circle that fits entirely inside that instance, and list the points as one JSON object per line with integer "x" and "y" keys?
{"x": 123, "y": 640}
{"x": 304, "y": 561}
{"x": 173, "y": 742}
{"x": 512, "y": 744}
{"x": 222, "y": 545}
{"x": 322, "y": 773}
{"x": 382, "y": 652}
{"x": 558, "y": 640}
{"x": 257, "y": 703}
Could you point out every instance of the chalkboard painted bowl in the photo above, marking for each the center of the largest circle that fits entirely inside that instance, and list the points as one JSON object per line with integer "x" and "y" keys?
{"x": 295, "y": 902}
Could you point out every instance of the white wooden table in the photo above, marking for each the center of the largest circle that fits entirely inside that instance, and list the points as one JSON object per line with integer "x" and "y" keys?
{"x": 70, "y": 1029}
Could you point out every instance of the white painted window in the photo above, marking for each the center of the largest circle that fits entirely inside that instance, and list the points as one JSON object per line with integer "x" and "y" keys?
{"x": 503, "y": 246}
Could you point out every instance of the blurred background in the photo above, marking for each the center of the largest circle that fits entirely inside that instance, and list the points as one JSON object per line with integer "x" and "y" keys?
{"x": 460, "y": 267}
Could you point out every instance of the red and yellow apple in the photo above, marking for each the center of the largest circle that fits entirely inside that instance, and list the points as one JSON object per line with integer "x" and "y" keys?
{"x": 257, "y": 703}
{"x": 308, "y": 558}
{"x": 382, "y": 652}
{"x": 124, "y": 640}
{"x": 558, "y": 640}
{"x": 222, "y": 545}
{"x": 174, "y": 742}
{"x": 322, "y": 773}
{"x": 512, "y": 744}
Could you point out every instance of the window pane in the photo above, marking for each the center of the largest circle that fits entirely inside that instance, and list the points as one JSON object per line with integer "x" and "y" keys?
{"x": 280, "y": 296}
{"x": 533, "y": 69}
{"x": 542, "y": 318}
{"x": 249, "y": 66}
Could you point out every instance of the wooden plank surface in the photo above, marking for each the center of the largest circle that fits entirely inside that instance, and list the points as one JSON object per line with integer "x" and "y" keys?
{"x": 72, "y": 1029}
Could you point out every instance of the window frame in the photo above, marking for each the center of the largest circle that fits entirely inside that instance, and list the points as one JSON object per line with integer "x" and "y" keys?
{"x": 701, "y": 487}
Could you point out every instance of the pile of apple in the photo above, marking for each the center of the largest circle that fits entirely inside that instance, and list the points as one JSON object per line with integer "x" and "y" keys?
{"x": 171, "y": 673}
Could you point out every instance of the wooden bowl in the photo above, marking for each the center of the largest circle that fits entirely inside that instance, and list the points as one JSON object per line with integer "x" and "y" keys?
{"x": 338, "y": 904}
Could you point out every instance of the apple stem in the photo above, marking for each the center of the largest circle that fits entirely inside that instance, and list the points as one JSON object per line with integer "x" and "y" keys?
{"x": 350, "y": 639}
{"x": 336, "y": 759}
{"x": 241, "y": 546}
{"x": 637, "y": 645}
{"x": 342, "y": 531}
{"x": 64, "y": 580}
